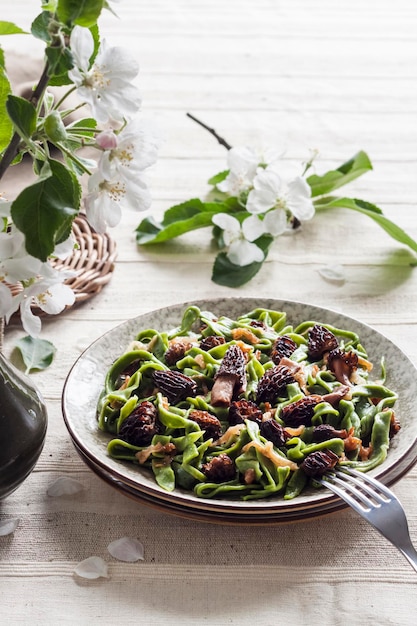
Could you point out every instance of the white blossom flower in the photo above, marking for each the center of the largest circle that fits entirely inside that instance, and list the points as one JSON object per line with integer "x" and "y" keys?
{"x": 106, "y": 86}
{"x": 15, "y": 263}
{"x": 47, "y": 292}
{"x": 135, "y": 149}
{"x": 105, "y": 197}
{"x": 242, "y": 163}
{"x": 241, "y": 250}
{"x": 270, "y": 191}
{"x": 273, "y": 223}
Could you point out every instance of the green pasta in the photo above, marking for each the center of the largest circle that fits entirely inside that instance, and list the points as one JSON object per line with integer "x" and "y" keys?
{"x": 246, "y": 408}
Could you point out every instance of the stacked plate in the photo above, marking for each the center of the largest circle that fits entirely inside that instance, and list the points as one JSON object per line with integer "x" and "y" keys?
{"x": 85, "y": 382}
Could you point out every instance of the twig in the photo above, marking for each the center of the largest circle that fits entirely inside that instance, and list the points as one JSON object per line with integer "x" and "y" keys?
{"x": 221, "y": 141}
{"x": 13, "y": 147}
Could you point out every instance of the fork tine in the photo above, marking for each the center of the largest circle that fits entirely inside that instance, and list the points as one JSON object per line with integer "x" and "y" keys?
{"x": 330, "y": 482}
{"x": 367, "y": 480}
{"x": 351, "y": 494}
{"x": 354, "y": 481}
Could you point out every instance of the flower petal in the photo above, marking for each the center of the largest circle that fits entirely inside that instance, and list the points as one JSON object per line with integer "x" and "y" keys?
{"x": 243, "y": 253}
{"x": 82, "y": 46}
{"x": 275, "y": 222}
{"x": 6, "y": 300}
{"x": 299, "y": 199}
{"x": 91, "y": 568}
{"x": 8, "y": 526}
{"x": 333, "y": 274}
{"x": 64, "y": 486}
{"x": 253, "y": 228}
{"x": 227, "y": 222}
{"x": 126, "y": 549}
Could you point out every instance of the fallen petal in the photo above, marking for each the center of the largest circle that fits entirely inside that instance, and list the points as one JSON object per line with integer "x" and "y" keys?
{"x": 126, "y": 549}
{"x": 8, "y": 526}
{"x": 92, "y": 567}
{"x": 64, "y": 486}
{"x": 333, "y": 274}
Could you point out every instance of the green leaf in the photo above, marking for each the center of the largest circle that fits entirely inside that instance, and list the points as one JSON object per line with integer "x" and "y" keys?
{"x": 218, "y": 178}
{"x": 44, "y": 211}
{"x": 84, "y": 127}
{"x": 230, "y": 275}
{"x": 6, "y": 126}
{"x": 60, "y": 61}
{"x": 355, "y": 167}
{"x": 372, "y": 211}
{"x": 40, "y": 26}
{"x": 81, "y": 12}
{"x": 8, "y": 28}
{"x": 178, "y": 220}
{"x": 23, "y": 115}
{"x": 37, "y": 354}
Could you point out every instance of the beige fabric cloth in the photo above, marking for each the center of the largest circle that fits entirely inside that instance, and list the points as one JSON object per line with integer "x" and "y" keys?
{"x": 301, "y": 75}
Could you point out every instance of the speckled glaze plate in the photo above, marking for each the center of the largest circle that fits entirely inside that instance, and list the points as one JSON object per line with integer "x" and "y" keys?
{"x": 85, "y": 381}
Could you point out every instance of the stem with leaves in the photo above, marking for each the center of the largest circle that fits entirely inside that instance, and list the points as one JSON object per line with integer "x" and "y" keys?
{"x": 194, "y": 214}
{"x": 12, "y": 149}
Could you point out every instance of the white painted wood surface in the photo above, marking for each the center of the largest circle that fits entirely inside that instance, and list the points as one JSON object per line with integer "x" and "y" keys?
{"x": 297, "y": 75}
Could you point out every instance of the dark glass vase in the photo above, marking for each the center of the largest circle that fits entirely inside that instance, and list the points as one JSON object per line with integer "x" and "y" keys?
{"x": 23, "y": 423}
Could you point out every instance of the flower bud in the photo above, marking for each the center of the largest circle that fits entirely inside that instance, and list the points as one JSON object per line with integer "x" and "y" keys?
{"x": 54, "y": 127}
{"x": 107, "y": 140}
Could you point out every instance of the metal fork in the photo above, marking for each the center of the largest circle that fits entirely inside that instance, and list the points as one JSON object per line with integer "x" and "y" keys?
{"x": 376, "y": 503}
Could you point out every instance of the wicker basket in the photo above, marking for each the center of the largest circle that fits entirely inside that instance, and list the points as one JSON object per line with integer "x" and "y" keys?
{"x": 92, "y": 261}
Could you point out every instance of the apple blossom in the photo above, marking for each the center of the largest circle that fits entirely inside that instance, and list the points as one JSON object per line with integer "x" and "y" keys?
{"x": 271, "y": 191}
{"x": 241, "y": 250}
{"x": 107, "y": 85}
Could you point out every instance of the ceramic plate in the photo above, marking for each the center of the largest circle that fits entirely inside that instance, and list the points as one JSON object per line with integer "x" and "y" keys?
{"x": 86, "y": 378}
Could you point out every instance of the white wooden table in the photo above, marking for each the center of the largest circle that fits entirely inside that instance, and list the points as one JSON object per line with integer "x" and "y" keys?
{"x": 338, "y": 77}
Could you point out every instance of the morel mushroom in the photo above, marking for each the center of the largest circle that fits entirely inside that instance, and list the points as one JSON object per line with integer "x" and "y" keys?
{"x": 230, "y": 379}
{"x": 175, "y": 386}
{"x": 212, "y": 341}
{"x": 207, "y": 422}
{"x": 320, "y": 340}
{"x": 176, "y": 351}
{"x": 342, "y": 364}
{"x": 242, "y": 410}
{"x": 324, "y": 432}
{"x": 284, "y": 346}
{"x": 141, "y": 425}
{"x": 319, "y": 462}
{"x": 272, "y": 430}
{"x": 273, "y": 384}
{"x": 220, "y": 469}
{"x": 300, "y": 412}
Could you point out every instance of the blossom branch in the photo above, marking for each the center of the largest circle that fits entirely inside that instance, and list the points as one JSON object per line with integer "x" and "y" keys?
{"x": 13, "y": 148}
{"x": 220, "y": 139}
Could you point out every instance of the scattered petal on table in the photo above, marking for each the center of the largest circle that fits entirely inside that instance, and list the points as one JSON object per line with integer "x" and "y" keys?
{"x": 92, "y": 567}
{"x": 64, "y": 486}
{"x": 8, "y": 526}
{"x": 126, "y": 549}
{"x": 333, "y": 274}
